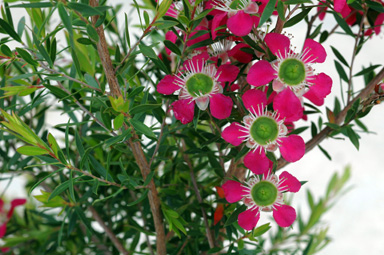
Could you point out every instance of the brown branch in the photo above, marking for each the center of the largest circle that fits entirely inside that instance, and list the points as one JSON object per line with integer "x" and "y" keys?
{"x": 134, "y": 142}
{"x": 108, "y": 231}
{"x": 364, "y": 94}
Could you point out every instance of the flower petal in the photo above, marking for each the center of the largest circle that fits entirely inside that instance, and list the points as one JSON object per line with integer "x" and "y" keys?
{"x": 239, "y": 55}
{"x": 171, "y": 36}
{"x": 232, "y": 134}
{"x": 261, "y": 73}
{"x": 248, "y": 219}
{"x": 227, "y": 73}
{"x": 254, "y": 99}
{"x": 183, "y": 110}
{"x": 288, "y": 105}
{"x": 322, "y": 85}
{"x": 378, "y": 22}
{"x": 277, "y": 43}
{"x": 289, "y": 181}
{"x": 240, "y": 24}
{"x": 220, "y": 106}
{"x": 257, "y": 161}
{"x": 233, "y": 191}
{"x": 284, "y": 215}
{"x": 167, "y": 85}
{"x": 315, "y": 52}
{"x": 3, "y": 229}
{"x": 218, "y": 20}
{"x": 292, "y": 148}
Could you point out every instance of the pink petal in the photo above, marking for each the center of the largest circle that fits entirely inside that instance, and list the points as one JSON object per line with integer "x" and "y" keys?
{"x": 220, "y": 106}
{"x": 277, "y": 43}
{"x": 284, "y": 215}
{"x": 3, "y": 229}
{"x": 14, "y": 203}
{"x": 239, "y": 55}
{"x": 183, "y": 110}
{"x": 289, "y": 181}
{"x": 257, "y": 161}
{"x": 227, "y": 73}
{"x": 248, "y": 219}
{"x": 292, "y": 148}
{"x": 342, "y": 7}
{"x": 232, "y": 134}
{"x": 315, "y": 52}
{"x": 288, "y": 105}
{"x": 201, "y": 38}
{"x": 378, "y": 22}
{"x": 321, "y": 88}
{"x": 167, "y": 85}
{"x": 233, "y": 191}
{"x": 196, "y": 63}
{"x": 218, "y": 20}
{"x": 261, "y": 73}
{"x": 240, "y": 24}
{"x": 1, "y": 205}
{"x": 254, "y": 99}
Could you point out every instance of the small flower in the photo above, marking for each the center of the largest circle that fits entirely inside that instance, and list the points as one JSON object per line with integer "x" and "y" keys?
{"x": 238, "y": 14}
{"x": 263, "y": 131}
{"x": 292, "y": 70}
{"x": 5, "y": 215}
{"x": 263, "y": 194}
{"x": 199, "y": 84}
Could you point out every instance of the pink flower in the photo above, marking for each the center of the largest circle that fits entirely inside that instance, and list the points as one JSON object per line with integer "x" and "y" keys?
{"x": 292, "y": 70}
{"x": 199, "y": 84}
{"x": 239, "y": 16}
{"x": 262, "y": 131}
{"x": 263, "y": 194}
{"x": 5, "y": 215}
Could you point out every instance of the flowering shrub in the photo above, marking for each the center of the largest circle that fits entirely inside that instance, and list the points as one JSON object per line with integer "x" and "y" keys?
{"x": 170, "y": 139}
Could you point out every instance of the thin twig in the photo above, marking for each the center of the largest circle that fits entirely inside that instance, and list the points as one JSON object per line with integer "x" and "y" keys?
{"x": 359, "y": 34}
{"x": 198, "y": 196}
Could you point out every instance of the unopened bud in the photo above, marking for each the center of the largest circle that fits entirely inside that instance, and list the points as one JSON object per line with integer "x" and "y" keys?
{"x": 379, "y": 89}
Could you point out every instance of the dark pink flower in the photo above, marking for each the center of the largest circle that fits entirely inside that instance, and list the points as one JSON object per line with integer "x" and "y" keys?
{"x": 291, "y": 70}
{"x": 263, "y": 194}
{"x": 199, "y": 84}
{"x": 239, "y": 16}
{"x": 262, "y": 131}
{"x": 5, "y": 215}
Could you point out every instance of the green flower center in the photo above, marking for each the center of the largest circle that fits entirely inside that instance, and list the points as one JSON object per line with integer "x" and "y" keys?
{"x": 264, "y": 130}
{"x": 199, "y": 84}
{"x": 264, "y": 193}
{"x": 236, "y": 5}
{"x": 292, "y": 71}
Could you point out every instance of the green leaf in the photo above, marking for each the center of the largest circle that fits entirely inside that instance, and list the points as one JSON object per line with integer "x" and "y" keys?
{"x": 325, "y": 152}
{"x": 234, "y": 215}
{"x": 6, "y": 51}
{"x": 55, "y": 202}
{"x": 173, "y": 47}
{"x": 297, "y": 18}
{"x": 9, "y": 30}
{"x": 341, "y": 71}
{"x": 367, "y": 70}
{"x": 65, "y": 18}
{"x": 353, "y": 137}
{"x": 31, "y": 150}
{"x": 280, "y": 10}
{"x": 267, "y": 13}
{"x": 147, "y": 51}
{"x": 214, "y": 250}
{"x": 118, "y": 121}
{"x": 142, "y": 128}
{"x": 163, "y": 8}
{"x": 339, "y": 56}
{"x": 141, "y": 198}
{"x": 43, "y": 179}
{"x": 91, "y": 81}
{"x": 58, "y": 190}
{"x": 343, "y": 24}
{"x": 27, "y": 57}
{"x": 261, "y": 230}
{"x": 143, "y": 108}
{"x": 287, "y": 2}
{"x": 84, "y": 9}
{"x": 92, "y": 33}
{"x": 83, "y": 218}
{"x": 33, "y": 5}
